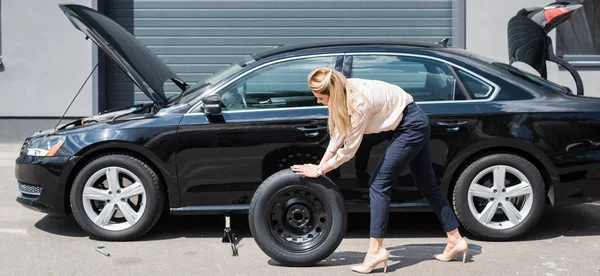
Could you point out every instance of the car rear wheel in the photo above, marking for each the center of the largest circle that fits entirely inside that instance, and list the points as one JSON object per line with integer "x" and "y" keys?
{"x": 117, "y": 197}
{"x": 499, "y": 197}
{"x": 297, "y": 221}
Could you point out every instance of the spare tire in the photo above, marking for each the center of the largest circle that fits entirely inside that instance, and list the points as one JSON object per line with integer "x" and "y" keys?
{"x": 297, "y": 221}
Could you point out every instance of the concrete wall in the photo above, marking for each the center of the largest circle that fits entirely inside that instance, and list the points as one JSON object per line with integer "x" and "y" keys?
{"x": 486, "y": 35}
{"x": 46, "y": 60}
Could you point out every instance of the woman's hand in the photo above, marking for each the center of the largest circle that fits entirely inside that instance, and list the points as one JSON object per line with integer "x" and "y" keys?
{"x": 308, "y": 170}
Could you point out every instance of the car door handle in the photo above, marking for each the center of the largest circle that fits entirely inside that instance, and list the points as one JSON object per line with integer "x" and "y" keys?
{"x": 311, "y": 128}
{"x": 453, "y": 126}
{"x": 311, "y": 131}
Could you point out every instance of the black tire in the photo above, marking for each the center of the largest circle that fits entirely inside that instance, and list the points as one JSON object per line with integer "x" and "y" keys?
{"x": 324, "y": 227}
{"x": 155, "y": 199}
{"x": 470, "y": 222}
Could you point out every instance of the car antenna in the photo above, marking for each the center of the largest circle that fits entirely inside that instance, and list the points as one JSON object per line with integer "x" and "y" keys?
{"x": 443, "y": 42}
{"x": 86, "y": 80}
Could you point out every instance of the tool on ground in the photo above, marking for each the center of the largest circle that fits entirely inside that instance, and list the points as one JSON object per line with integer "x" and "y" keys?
{"x": 229, "y": 237}
{"x": 99, "y": 249}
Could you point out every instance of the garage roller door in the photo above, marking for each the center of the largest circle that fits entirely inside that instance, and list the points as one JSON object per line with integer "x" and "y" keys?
{"x": 197, "y": 38}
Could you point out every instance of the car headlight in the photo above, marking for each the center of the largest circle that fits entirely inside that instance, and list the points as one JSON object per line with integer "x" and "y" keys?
{"x": 46, "y": 146}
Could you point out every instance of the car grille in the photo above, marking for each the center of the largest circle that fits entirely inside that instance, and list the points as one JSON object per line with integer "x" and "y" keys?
{"x": 29, "y": 189}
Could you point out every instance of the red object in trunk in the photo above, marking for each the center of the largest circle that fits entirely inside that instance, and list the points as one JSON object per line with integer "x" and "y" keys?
{"x": 552, "y": 13}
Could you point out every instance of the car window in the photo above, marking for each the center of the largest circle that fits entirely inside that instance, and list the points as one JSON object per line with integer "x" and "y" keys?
{"x": 424, "y": 79}
{"x": 279, "y": 85}
{"x": 476, "y": 88}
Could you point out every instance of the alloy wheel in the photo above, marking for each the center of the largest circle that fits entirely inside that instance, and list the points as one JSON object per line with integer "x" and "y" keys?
{"x": 500, "y": 197}
{"x": 114, "y": 198}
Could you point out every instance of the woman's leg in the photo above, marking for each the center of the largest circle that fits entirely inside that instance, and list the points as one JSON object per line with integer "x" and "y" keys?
{"x": 402, "y": 149}
{"x": 425, "y": 180}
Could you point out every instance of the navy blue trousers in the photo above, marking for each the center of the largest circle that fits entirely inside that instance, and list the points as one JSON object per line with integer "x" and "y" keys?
{"x": 408, "y": 147}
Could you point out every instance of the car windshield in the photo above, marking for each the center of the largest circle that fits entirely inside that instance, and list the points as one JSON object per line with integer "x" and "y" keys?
{"x": 523, "y": 74}
{"x": 201, "y": 86}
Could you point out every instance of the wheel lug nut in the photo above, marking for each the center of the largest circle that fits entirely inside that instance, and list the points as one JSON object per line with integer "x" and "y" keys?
{"x": 504, "y": 190}
{"x": 507, "y": 199}
{"x": 116, "y": 206}
{"x": 492, "y": 199}
{"x": 495, "y": 191}
{"x": 122, "y": 200}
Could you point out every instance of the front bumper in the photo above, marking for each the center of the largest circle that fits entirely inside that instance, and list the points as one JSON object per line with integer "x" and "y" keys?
{"x": 42, "y": 183}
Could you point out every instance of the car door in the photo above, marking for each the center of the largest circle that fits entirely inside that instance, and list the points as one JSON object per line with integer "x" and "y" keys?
{"x": 433, "y": 85}
{"x": 270, "y": 121}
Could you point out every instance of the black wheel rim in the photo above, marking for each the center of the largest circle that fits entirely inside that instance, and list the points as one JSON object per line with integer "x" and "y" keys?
{"x": 299, "y": 219}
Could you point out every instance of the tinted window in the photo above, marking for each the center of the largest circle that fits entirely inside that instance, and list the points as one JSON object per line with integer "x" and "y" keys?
{"x": 279, "y": 85}
{"x": 476, "y": 88}
{"x": 424, "y": 79}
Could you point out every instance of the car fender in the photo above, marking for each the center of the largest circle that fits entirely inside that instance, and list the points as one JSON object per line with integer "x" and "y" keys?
{"x": 166, "y": 168}
{"x": 521, "y": 147}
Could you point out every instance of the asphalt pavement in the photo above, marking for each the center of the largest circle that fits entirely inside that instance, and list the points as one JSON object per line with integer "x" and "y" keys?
{"x": 566, "y": 242}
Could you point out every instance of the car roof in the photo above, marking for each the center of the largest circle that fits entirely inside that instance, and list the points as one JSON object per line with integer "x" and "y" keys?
{"x": 344, "y": 43}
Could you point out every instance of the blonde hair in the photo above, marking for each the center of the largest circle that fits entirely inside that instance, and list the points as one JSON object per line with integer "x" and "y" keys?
{"x": 343, "y": 98}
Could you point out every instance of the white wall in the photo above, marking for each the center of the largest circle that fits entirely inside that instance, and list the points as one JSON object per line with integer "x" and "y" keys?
{"x": 486, "y": 35}
{"x": 46, "y": 61}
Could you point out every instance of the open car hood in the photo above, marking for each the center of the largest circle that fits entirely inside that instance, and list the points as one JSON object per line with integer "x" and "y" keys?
{"x": 144, "y": 68}
{"x": 528, "y": 39}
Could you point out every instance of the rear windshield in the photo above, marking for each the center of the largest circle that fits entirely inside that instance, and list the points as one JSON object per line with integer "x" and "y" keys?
{"x": 532, "y": 78}
{"x": 523, "y": 74}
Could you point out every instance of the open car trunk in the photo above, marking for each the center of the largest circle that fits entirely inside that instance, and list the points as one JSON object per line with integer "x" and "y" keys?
{"x": 528, "y": 39}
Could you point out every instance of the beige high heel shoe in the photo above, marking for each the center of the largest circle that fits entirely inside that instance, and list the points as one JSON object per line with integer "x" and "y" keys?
{"x": 381, "y": 256}
{"x": 449, "y": 255}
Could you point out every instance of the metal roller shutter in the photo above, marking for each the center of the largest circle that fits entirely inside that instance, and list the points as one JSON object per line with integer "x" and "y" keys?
{"x": 197, "y": 38}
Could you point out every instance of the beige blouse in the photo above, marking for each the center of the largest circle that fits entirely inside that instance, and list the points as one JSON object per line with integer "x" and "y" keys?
{"x": 382, "y": 112}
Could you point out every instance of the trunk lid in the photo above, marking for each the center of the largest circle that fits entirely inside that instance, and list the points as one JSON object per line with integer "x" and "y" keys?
{"x": 528, "y": 39}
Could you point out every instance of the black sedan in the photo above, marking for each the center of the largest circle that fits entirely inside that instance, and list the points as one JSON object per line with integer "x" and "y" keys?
{"x": 505, "y": 142}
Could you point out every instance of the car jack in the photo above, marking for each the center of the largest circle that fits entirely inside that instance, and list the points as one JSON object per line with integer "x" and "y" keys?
{"x": 229, "y": 237}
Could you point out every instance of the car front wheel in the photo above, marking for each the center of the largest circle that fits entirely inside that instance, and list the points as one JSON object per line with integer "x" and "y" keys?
{"x": 117, "y": 197}
{"x": 499, "y": 197}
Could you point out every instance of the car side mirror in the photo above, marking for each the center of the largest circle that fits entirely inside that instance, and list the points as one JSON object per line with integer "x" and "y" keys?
{"x": 211, "y": 105}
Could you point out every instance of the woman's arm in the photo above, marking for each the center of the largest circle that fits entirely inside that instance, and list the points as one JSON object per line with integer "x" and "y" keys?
{"x": 311, "y": 169}
{"x": 335, "y": 143}
{"x": 326, "y": 157}
{"x": 350, "y": 142}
